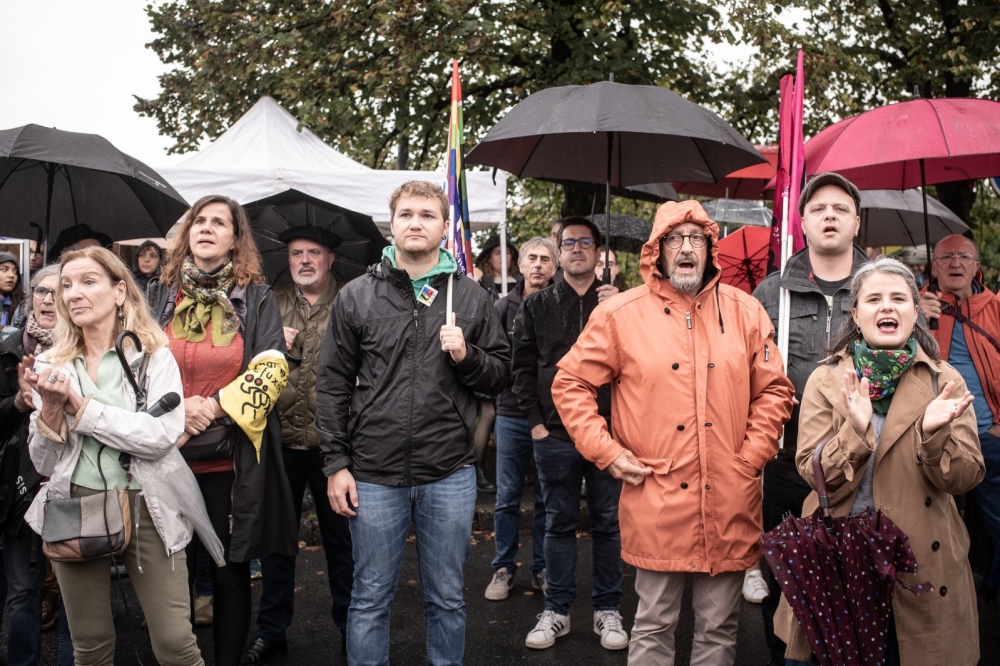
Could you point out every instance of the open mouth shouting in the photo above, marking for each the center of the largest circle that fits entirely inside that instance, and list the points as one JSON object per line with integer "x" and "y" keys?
{"x": 887, "y": 325}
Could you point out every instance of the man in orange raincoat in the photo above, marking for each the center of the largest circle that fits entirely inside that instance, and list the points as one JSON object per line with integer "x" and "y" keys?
{"x": 700, "y": 397}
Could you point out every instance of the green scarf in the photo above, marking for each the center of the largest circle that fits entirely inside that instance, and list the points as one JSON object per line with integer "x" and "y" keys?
{"x": 883, "y": 368}
{"x": 206, "y": 297}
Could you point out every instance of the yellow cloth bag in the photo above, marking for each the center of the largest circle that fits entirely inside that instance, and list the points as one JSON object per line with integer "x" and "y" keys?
{"x": 249, "y": 398}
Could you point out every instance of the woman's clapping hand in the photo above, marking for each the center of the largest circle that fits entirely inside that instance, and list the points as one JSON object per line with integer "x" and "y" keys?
{"x": 944, "y": 409}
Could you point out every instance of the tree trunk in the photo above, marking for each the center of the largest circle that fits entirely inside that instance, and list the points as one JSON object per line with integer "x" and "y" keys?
{"x": 402, "y": 153}
{"x": 958, "y": 197}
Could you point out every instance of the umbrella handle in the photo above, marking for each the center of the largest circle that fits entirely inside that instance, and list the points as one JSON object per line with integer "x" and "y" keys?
{"x": 820, "y": 482}
{"x": 119, "y": 350}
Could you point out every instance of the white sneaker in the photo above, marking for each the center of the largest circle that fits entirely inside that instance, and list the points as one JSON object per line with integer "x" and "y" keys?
{"x": 499, "y": 587}
{"x": 551, "y": 625}
{"x": 754, "y": 587}
{"x": 608, "y": 624}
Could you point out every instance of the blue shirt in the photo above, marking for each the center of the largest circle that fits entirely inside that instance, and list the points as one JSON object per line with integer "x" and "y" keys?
{"x": 960, "y": 359}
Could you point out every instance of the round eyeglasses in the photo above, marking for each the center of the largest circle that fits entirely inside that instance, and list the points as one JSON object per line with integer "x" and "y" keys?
{"x": 674, "y": 241}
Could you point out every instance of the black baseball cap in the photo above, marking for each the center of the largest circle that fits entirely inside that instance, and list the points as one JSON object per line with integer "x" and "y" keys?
{"x": 829, "y": 178}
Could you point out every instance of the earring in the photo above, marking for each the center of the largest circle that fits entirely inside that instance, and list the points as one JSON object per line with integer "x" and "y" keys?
{"x": 121, "y": 316}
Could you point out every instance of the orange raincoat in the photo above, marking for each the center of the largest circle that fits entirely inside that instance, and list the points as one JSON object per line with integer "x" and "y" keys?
{"x": 698, "y": 393}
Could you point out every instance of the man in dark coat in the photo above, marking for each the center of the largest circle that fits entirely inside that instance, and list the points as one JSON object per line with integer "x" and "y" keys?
{"x": 395, "y": 411}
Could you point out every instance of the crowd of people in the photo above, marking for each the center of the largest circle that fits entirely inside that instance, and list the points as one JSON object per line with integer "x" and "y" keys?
{"x": 668, "y": 406}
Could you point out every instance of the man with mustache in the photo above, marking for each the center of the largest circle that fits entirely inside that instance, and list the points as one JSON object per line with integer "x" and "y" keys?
{"x": 969, "y": 335}
{"x": 537, "y": 261}
{"x": 818, "y": 280}
{"x": 305, "y": 314}
{"x": 545, "y": 328}
{"x": 699, "y": 397}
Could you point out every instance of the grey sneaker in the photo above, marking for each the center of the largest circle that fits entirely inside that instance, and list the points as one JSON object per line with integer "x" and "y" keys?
{"x": 608, "y": 624}
{"x": 539, "y": 583}
{"x": 551, "y": 625}
{"x": 499, "y": 587}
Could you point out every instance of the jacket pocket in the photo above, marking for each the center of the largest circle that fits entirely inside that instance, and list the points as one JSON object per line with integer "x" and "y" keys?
{"x": 660, "y": 466}
{"x": 744, "y": 468}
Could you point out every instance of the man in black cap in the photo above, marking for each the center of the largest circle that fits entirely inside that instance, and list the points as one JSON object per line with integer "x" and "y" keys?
{"x": 77, "y": 237}
{"x": 818, "y": 280}
{"x": 305, "y": 313}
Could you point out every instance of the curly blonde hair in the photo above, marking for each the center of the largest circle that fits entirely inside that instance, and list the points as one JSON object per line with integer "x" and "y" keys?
{"x": 67, "y": 339}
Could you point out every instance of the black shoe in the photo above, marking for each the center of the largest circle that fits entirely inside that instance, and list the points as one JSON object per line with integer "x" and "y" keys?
{"x": 260, "y": 651}
{"x": 483, "y": 483}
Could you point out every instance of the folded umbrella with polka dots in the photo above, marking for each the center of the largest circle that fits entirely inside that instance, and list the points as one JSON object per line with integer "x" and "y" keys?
{"x": 838, "y": 575}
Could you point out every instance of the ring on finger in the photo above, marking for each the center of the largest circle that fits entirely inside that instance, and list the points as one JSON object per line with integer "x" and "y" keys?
{"x": 53, "y": 378}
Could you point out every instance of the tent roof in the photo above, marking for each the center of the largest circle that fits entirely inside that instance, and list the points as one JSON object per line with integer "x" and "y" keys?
{"x": 268, "y": 137}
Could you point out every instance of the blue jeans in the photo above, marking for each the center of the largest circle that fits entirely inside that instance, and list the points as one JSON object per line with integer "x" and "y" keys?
{"x": 25, "y": 569}
{"x": 442, "y": 515}
{"x": 561, "y": 469}
{"x": 514, "y": 451}
{"x": 277, "y": 598}
{"x": 987, "y": 493}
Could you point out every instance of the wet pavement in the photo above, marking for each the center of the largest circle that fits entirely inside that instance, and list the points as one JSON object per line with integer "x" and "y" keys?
{"x": 495, "y": 630}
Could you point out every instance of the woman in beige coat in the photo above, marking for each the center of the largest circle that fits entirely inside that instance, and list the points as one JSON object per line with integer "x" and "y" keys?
{"x": 901, "y": 439}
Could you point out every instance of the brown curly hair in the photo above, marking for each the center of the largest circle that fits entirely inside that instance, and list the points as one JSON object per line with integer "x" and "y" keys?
{"x": 247, "y": 263}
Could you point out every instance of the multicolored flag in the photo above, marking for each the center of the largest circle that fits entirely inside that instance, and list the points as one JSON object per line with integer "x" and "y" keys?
{"x": 460, "y": 237}
{"x": 790, "y": 178}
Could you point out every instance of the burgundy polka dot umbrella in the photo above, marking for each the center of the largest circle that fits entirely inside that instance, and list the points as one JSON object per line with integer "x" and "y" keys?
{"x": 839, "y": 574}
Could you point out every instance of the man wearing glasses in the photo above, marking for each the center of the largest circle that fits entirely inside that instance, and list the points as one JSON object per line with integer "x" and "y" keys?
{"x": 546, "y": 326}
{"x": 968, "y": 332}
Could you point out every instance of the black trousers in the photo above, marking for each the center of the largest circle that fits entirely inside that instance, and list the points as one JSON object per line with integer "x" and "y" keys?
{"x": 784, "y": 492}
{"x": 232, "y": 604}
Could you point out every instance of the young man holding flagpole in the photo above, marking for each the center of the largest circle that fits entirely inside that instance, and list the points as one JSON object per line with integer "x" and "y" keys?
{"x": 396, "y": 408}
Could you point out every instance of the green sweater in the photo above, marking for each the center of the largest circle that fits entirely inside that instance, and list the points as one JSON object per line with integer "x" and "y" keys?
{"x": 109, "y": 390}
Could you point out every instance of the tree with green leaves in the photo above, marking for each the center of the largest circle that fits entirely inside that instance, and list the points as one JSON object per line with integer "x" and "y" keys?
{"x": 861, "y": 54}
{"x": 372, "y": 76}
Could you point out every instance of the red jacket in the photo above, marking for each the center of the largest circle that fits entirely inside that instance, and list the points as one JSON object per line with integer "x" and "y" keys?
{"x": 983, "y": 309}
{"x": 698, "y": 393}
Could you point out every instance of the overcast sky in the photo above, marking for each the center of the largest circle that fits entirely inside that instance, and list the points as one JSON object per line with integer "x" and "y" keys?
{"x": 75, "y": 64}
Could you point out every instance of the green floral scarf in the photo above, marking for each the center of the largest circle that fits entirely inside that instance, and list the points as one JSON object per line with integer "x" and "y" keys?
{"x": 883, "y": 368}
{"x": 206, "y": 298}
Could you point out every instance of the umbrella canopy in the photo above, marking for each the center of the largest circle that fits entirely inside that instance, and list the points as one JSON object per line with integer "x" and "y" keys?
{"x": 890, "y": 217}
{"x": 640, "y": 134}
{"x": 55, "y": 180}
{"x": 738, "y": 211}
{"x": 956, "y": 139}
{"x": 748, "y": 183}
{"x": 839, "y": 576}
{"x": 628, "y": 233}
{"x": 361, "y": 241}
{"x": 743, "y": 257}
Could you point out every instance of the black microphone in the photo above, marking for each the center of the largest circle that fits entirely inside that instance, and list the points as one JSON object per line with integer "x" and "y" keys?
{"x": 167, "y": 403}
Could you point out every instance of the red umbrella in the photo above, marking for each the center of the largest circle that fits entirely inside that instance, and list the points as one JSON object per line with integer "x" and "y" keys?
{"x": 746, "y": 183}
{"x": 743, "y": 257}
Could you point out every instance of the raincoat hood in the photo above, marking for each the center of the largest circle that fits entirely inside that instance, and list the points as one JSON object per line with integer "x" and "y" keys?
{"x": 138, "y": 251}
{"x": 669, "y": 216}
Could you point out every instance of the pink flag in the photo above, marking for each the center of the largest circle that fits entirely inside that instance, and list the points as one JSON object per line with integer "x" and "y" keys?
{"x": 790, "y": 177}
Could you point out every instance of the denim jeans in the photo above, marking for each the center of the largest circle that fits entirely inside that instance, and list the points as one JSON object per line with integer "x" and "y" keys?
{"x": 561, "y": 469}
{"x": 277, "y": 599}
{"x": 987, "y": 493}
{"x": 514, "y": 451}
{"x": 442, "y": 515}
{"x": 25, "y": 578}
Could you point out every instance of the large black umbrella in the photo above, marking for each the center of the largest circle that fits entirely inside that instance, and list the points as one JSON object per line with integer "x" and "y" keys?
{"x": 54, "y": 180}
{"x": 361, "y": 241}
{"x": 894, "y": 217}
{"x": 616, "y": 135}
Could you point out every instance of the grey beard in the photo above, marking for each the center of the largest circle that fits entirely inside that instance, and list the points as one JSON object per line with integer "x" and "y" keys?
{"x": 686, "y": 284}
{"x": 305, "y": 282}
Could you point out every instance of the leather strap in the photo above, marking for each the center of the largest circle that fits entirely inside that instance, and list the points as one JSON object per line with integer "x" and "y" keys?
{"x": 949, "y": 309}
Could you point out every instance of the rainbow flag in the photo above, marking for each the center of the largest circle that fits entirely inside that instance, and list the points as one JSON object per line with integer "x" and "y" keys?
{"x": 460, "y": 237}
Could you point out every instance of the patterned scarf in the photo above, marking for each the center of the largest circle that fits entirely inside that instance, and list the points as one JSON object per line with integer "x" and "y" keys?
{"x": 42, "y": 336}
{"x": 883, "y": 368}
{"x": 206, "y": 298}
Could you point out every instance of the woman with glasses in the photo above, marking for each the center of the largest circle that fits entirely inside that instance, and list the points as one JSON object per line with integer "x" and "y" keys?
{"x": 85, "y": 419}
{"x": 22, "y": 548}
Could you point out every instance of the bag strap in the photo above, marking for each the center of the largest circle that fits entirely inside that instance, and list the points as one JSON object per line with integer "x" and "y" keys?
{"x": 948, "y": 308}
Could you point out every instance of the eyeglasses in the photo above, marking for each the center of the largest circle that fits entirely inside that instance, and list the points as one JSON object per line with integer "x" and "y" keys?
{"x": 674, "y": 241}
{"x": 964, "y": 257}
{"x": 41, "y": 292}
{"x": 585, "y": 243}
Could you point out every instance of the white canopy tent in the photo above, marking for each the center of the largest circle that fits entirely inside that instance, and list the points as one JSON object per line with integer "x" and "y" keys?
{"x": 264, "y": 153}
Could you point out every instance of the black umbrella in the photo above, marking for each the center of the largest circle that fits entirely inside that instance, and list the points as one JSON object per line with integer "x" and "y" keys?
{"x": 627, "y": 232}
{"x": 54, "y": 180}
{"x": 361, "y": 241}
{"x": 894, "y": 217}
{"x": 616, "y": 135}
